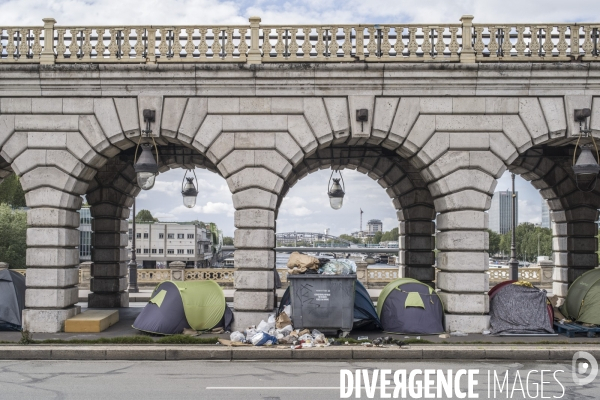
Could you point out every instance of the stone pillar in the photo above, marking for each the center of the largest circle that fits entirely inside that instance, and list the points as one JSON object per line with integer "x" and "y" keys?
{"x": 177, "y": 270}
{"x": 47, "y": 56}
{"x": 417, "y": 243}
{"x": 463, "y": 262}
{"x": 254, "y": 54}
{"x": 52, "y": 260}
{"x": 574, "y": 244}
{"x": 361, "y": 272}
{"x": 254, "y": 240}
{"x": 108, "y": 281}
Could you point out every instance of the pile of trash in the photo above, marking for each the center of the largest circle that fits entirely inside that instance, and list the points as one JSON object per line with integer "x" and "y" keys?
{"x": 304, "y": 264}
{"x": 279, "y": 331}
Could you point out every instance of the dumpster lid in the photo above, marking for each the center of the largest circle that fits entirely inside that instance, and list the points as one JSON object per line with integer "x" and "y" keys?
{"x": 321, "y": 276}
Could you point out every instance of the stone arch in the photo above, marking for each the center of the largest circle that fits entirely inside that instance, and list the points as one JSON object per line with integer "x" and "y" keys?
{"x": 63, "y": 149}
{"x": 573, "y": 213}
{"x": 401, "y": 181}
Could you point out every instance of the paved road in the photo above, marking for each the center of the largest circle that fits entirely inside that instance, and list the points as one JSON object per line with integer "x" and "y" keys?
{"x": 151, "y": 380}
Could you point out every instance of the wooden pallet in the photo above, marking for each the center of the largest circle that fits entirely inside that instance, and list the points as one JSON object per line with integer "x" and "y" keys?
{"x": 572, "y": 329}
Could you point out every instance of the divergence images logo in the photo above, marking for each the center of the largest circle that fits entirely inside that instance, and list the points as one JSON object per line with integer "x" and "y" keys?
{"x": 579, "y": 368}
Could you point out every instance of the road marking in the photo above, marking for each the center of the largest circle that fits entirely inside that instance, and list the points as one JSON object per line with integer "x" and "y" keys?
{"x": 270, "y": 387}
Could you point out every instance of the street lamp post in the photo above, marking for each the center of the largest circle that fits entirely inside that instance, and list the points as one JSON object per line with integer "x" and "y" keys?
{"x": 514, "y": 263}
{"x": 133, "y": 285}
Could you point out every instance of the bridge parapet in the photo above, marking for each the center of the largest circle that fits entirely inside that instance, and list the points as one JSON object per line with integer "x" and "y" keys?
{"x": 255, "y": 43}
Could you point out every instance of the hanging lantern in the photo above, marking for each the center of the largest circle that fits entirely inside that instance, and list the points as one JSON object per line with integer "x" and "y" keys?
{"x": 146, "y": 168}
{"x": 586, "y": 165}
{"x": 189, "y": 191}
{"x": 336, "y": 191}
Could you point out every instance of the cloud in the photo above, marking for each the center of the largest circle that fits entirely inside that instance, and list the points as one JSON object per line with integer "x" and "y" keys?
{"x": 218, "y": 208}
{"x": 209, "y": 12}
{"x": 295, "y": 206}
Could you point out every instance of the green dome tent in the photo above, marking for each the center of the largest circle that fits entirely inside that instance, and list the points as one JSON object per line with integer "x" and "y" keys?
{"x": 410, "y": 307}
{"x": 175, "y": 306}
{"x": 583, "y": 299}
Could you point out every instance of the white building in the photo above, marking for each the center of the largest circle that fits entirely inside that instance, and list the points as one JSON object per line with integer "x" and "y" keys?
{"x": 374, "y": 226}
{"x": 158, "y": 244}
{"x": 85, "y": 234}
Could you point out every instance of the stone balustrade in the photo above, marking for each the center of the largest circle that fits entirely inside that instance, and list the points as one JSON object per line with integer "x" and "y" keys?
{"x": 255, "y": 43}
{"x": 374, "y": 277}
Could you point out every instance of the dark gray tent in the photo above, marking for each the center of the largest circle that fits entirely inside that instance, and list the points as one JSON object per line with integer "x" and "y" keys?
{"x": 12, "y": 300}
{"x": 520, "y": 308}
{"x": 410, "y": 307}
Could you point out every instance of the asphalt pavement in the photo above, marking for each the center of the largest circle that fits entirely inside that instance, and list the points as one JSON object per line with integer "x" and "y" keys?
{"x": 273, "y": 380}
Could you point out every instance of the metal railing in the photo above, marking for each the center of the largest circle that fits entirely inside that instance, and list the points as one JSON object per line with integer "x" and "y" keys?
{"x": 255, "y": 43}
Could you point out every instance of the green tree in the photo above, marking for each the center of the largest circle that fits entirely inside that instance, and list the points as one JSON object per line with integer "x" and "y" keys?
{"x": 349, "y": 238}
{"x": 11, "y": 192}
{"x": 495, "y": 239}
{"x": 227, "y": 241}
{"x": 390, "y": 236}
{"x": 377, "y": 237}
{"x": 13, "y": 236}
{"x": 145, "y": 216}
{"x": 527, "y": 237}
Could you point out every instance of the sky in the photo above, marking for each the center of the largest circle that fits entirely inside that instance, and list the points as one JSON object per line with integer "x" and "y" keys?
{"x": 169, "y": 12}
{"x": 306, "y": 206}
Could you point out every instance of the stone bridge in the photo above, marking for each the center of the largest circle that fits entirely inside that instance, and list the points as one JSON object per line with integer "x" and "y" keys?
{"x": 450, "y": 109}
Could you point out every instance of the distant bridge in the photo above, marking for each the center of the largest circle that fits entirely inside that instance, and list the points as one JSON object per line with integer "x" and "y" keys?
{"x": 294, "y": 237}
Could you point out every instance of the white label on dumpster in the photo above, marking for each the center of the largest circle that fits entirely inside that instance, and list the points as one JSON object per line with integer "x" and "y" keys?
{"x": 322, "y": 295}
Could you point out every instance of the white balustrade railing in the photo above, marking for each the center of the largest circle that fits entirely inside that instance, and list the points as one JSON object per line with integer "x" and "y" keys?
{"x": 255, "y": 43}
{"x": 533, "y": 274}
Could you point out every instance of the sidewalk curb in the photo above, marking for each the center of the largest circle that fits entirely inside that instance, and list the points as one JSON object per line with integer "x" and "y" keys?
{"x": 214, "y": 352}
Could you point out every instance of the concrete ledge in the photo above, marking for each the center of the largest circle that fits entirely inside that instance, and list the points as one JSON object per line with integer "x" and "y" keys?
{"x": 214, "y": 352}
{"x": 198, "y": 353}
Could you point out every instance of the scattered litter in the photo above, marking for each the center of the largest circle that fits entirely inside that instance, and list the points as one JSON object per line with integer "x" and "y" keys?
{"x": 190, "y": 332}
{"x": 218, "y": 331}
{"x": 418, "y": 337}
{"x": 363, "y": 338}
{"x": 237, "y": 337}
{"x": 283, "y": 320}
{"x": 263, "y": 339}
{"x": 250, "y": 333}
{"x": 458, "y": 333}
{"x": 367, "y": 344}
{"x": 485, "y": 332}
{"x": 304, "y": 332}
{"x": 226, "y": 342}
{"x": 444, "y": 336}
{"x": 378, "y": 342}
{"x": 406, "y": 337}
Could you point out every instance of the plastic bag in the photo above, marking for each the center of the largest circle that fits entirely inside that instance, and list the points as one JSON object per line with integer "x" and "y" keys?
{"x": 250, "y": 333}
{"x": 318, "y": 336}
{"x": 265, "y": 326}
{"x": 286, "y": 330}
{"x": 288, "y": 310}
{"x": 237, "y": 337}
{"x": 263, "y": 339}
{"x": 306, "y": 337}
{"x": 338, "y": 267}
